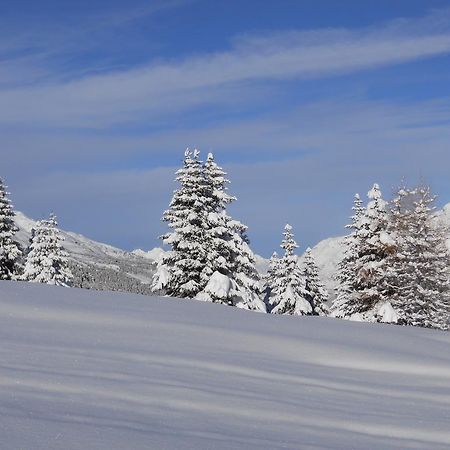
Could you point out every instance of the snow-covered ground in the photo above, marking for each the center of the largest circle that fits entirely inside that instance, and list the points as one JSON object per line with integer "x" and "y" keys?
{"x": 96, "y": 370}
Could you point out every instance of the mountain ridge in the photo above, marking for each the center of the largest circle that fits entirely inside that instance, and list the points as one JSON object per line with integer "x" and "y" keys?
{"x": 96, "y": 265}
{"x": 104, "y": 267}
{"x": 101, "y": 266}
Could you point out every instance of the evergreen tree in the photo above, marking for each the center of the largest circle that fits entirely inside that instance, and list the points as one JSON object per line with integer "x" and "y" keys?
{"x": 289, "y": 291}
{"x": 316, "y": 293}
{"x": 347, "y": 286}
{"x": 418, "y": 270}
{"x": 370, "y": 246}
{"x": 187, "y": 219}
{"x": 245, "y": 273}
{"x": 10, "y": 251}
{"x": 46, "y": 260}
{"x": 375, "y": 246}
{"x": 228, "y": 253}
{"x": 210, "y": 258}
{"x": 271, "y": 278}
{"x": 218, "y": 231}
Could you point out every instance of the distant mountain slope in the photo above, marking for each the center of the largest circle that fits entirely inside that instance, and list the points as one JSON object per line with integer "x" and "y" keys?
{"x": 85, "y": 370}
{"x": 327, "y": 254}
{"x": 104, "y": 267}
{"x": 99, "y": 266}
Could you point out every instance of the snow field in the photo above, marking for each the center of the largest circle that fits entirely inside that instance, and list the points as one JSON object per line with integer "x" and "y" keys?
{"x": 98, "y": 370}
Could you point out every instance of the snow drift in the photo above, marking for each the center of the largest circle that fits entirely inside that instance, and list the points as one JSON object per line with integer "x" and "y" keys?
{"x": 97, "y": 370}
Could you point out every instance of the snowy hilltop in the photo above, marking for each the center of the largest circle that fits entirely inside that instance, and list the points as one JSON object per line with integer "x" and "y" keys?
{"x": 98, "y": 266}
{"x": 95, "y": 370}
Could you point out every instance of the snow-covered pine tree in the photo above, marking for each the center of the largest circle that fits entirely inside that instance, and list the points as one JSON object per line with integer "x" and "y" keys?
{"x": 230, "y": 272}
{"x": 372, "y": 245}
{"x": 347, "y": 284}
{"x": 10, "y": 252}
{"x": 248, "y": 294}
{"x": 271, "y": 277}
{"x": 46, "y": 260}
{"x": 289, "y": 290}
{"x": 376, "y": 245}
{"x": 315, "y": 291}
{"x": 418, "y": 270}
{"x": 210, "y": 257}
{"x": 218, "y": 233}
{"x": 184, "y": 264}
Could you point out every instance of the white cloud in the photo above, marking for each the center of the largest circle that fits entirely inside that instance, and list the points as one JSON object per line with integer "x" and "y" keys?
{"x": 164, "y": 88}
{"x": 320, "y": 155}
{"x": 320, "y": 152}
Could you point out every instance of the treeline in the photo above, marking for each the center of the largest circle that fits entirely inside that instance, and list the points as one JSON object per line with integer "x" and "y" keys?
{"x": 210, "y": 257}
{"x": 395, "y": 267}
{"x": 396, "y": 262}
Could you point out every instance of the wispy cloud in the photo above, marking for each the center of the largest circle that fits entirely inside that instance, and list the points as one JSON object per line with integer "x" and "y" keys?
{"x": 164, "y": 88}
{"x": 301, "y": 162}
{"x": 302, "y": 166}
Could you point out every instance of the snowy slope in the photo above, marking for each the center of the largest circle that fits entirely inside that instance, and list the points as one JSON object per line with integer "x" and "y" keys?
{"x": 96, "y": 265}
{"x": 95, "y": 370}
{"x": 327, "y": 254}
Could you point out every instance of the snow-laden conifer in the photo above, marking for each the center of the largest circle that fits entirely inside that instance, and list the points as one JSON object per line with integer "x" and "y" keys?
{"x": 245, "y": 273}
{"x": 218, "y": 224}
{"x": 210, "y": 258}
{"x": 230, "y": 273}
{"x": 418, "y": 269}
{"x": 184, "y": 264}
{"x": 372, "y": 245}
{"x": 315, "y": 291}
{"x": 376, "y": 245}
{"x": 10, "y": 252}
{"x": 347, "y": 282}
{"x": 46, "y": 260}
{"x": 271, "y": 277}
{"x": 289, "y": 290}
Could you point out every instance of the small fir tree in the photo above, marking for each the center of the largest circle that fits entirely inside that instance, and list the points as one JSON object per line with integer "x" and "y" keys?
{"x": 10, "y": 252}
{"x": 47, "y": 261}
{"x": 245, "y": 273}
{"x": 365, "y": 260}
{"x": 271, "y": 278}
{"x": 289, "y": 291}
{"x": 316, "y": 293}
{"x": 345, "y": 277}
{"x": 376, "y": 245}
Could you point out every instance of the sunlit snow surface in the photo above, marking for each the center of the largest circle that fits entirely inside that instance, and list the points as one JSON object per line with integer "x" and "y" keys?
{"x": 95, "y": 370}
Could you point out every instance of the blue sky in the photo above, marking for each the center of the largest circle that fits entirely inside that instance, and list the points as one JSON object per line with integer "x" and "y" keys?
{"x": 304, "y": 103}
